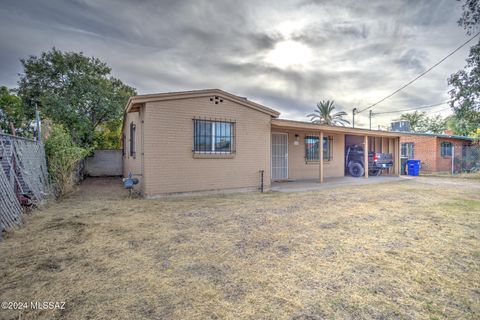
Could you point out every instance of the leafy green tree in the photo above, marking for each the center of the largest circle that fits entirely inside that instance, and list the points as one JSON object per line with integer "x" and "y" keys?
{"x": 324, "y": 114}
{"x": 12, "y": 112}
{"x": 435, "y": 124}
{"x": 459, "y": 126}
{"x": 108, "y": 135}
{"x": 470, "y": 19}
{"x": 420, "y": 122}
{"x": 465, "y": 92}
{"x": 416, "y": 120}
{"x": 73, "y": 90}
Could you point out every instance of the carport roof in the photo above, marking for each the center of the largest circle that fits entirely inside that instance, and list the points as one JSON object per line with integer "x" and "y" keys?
{"x": 439, "y": 135}
{"x": 302, "y": 125}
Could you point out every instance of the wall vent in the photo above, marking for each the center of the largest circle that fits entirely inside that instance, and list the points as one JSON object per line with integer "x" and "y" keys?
{"x": 216, "y": 99}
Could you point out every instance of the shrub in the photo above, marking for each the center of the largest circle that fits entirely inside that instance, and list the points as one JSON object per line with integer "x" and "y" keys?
{"x": 62, "y": 158}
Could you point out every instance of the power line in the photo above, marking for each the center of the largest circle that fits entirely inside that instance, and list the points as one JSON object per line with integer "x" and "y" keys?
{"x": 439, "y": 110}
{"x": 421, "y": 75}
{"x": 424, "y": 107}
{"x": 429, "y": 112}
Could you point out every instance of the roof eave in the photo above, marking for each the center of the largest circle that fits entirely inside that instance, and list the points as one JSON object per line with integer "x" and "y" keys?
{"x": 438, "y": 135}
{"x": 140, "y": 99}
{"x": 300, "y": 125}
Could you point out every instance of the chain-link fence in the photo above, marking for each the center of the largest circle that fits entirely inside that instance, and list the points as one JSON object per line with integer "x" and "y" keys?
{"x": 23, "y": 178}
{"x": 467, "y": 160}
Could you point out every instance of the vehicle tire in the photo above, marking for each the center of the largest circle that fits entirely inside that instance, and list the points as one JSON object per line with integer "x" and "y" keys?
{"x": 356, "y": 170}
{"x": 374, "y": 173}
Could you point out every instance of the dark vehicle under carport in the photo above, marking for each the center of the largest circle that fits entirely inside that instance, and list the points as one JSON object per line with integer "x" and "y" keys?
{"x": 355, "y": 161}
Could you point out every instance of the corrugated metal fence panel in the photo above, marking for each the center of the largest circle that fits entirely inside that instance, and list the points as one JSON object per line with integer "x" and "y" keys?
{"x": 279, "y": 156}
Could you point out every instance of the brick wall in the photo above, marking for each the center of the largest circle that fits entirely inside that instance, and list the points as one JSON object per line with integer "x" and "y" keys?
{"x": 170, "y": 165}
{"x": 424, "y": 149}
{"x": 427, "y": 150}
{"x": 444, "y": 164}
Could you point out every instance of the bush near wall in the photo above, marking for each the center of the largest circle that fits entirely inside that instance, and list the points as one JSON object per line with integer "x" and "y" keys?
{"x": 62, "y": 158}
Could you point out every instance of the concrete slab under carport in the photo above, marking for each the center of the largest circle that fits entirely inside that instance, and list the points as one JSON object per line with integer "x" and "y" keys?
{"x": 314, "y": 184}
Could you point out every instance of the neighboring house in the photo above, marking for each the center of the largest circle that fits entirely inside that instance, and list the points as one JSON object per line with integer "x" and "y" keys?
{"x": 434, "y": 150}
{"x": 210, "y": 140}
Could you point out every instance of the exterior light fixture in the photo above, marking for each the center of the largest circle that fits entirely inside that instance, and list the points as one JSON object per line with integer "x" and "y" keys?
{"x": 296, "y": 142}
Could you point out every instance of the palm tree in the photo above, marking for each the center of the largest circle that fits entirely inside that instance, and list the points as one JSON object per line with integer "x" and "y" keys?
{"x": 323, "y": 114}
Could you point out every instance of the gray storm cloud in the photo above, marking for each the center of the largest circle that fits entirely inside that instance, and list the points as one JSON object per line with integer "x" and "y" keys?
{"x": 287, "y": 55}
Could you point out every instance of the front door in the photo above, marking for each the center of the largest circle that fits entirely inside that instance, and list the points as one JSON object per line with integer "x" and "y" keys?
{"x": 279, "y": 156}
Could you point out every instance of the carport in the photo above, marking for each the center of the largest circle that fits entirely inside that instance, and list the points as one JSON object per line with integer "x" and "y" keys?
{"x": 296, "y": 151}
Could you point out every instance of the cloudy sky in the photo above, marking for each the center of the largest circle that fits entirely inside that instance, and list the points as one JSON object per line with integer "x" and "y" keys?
{"x": 287, "y": 55}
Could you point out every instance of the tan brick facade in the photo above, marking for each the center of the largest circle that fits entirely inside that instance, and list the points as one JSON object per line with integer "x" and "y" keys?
{"x": 166, "y": 163}
{"x": 299, "y": 168}
{"x": 133, "y": 163}
{"x": 170, "y": 166}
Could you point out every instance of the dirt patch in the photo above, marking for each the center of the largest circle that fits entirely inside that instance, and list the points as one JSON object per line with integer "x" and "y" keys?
{"x": 391, "y": 251}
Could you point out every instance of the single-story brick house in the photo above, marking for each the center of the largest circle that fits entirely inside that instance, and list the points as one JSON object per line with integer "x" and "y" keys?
{"x": 434, "y": 150}
{"x": 209, "y": 140}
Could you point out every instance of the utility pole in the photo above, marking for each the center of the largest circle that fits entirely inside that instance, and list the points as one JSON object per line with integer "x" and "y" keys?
{"x": 453, "y": 159}
{"x": 37, "y": 120}
{"x": 370, "y": 118}
{"x": 353, "y": 117}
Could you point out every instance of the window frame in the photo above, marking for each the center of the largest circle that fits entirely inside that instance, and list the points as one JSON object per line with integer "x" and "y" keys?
{"x": 124, "y": 152}
{"x": 446, "y": 145}
{"x": 133, "y": 133}
{"x": 327, "y": 154}
{"x": 214, "y": 137}
{"x": 409, "y": 146}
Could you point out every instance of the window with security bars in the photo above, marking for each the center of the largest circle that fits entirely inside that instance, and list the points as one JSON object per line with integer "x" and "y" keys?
{"x": 312, "y": 151}
{"x": 213, "y": 136}
{"x": 123, "y": 145}
{"x": 133, "y": 130}
{"x": 407, "y": 150}
{"x": 446, "y": 149}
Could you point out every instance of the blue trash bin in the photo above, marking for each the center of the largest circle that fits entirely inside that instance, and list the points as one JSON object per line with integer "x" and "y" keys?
{"x": 413, "y": 167}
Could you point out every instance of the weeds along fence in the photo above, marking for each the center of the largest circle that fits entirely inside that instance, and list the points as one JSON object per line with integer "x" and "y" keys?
{"x": 23, "y": 178}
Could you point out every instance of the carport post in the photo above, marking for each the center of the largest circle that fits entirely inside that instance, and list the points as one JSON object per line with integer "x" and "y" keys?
{"x": 365, "y": 156}
{"x": 320, "y": 162}
{"x": 397, "y": 157}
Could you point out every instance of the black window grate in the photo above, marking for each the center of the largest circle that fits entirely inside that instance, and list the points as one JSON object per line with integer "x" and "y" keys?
{"x": 311, "y": 148}
{"x": 327, "y": 148}
{"x": 213, "y": 136}
{"x": 133, "y": 129}
{"x": 123, "y": 145}
{"x": 312, "y": 153}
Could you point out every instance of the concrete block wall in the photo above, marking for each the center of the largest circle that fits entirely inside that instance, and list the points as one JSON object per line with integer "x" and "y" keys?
{"x": 104, "y": 163}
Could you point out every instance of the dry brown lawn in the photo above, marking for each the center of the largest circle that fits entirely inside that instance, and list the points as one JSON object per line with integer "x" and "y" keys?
{"x": 403, "y": 250}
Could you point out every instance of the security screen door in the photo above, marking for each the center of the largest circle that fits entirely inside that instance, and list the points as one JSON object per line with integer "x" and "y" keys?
{"x": 279, "y": 156}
